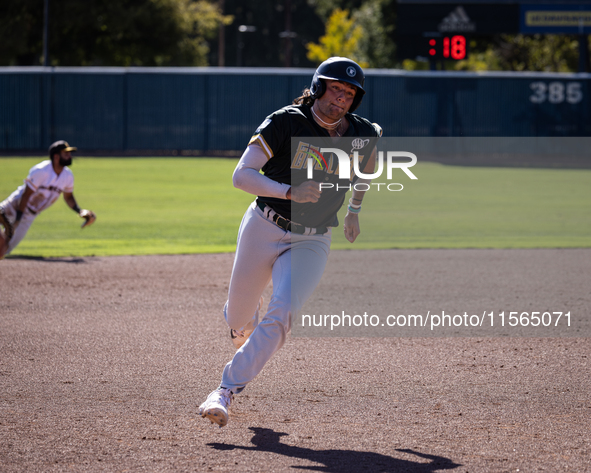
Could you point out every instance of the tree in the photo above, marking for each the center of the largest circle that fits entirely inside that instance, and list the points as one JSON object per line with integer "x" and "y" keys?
{"x": 266, "y": 47}
{"x": 376, "y": 48}
{"x": 108, "y": 33}
{"x": 325, "y": 8}
{"x": 21, "y": 35}
{"x": 376, "y": 18}
{"x": 342, "y": 38}
{"x": 547, "y": 53}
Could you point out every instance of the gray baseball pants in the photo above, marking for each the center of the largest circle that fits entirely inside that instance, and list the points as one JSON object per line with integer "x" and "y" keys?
{"x": 23, "y": 226}
{"x": 294, "y": 263}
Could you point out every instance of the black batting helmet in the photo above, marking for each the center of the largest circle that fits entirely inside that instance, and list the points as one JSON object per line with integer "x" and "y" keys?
{"x": 343, "y": 70}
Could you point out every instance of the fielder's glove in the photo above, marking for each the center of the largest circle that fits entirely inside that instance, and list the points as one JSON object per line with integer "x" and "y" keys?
{"x": 8, "y": 228}
{"x": 88, "y": 216}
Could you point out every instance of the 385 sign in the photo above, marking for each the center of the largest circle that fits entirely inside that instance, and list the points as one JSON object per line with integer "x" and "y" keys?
{"x": 556, "y": 92}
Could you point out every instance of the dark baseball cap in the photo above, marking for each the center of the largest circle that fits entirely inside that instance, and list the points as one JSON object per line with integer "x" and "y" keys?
{"x": 59, "y": 146}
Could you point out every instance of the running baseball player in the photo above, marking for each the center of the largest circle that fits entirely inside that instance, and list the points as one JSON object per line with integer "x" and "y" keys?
{"x": 42, "y": 187}
{"x": 277, "y": 240}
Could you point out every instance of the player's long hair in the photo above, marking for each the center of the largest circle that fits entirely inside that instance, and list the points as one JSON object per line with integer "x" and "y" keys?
{"x": 304, "y": 99}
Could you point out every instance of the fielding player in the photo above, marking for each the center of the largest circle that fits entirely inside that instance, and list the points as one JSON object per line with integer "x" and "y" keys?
{"x": 45, "y": 182}
{"x": 277, "y": 239}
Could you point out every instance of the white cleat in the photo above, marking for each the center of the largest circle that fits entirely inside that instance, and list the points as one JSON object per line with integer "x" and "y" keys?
{"x": 215, "y": 408}
{"x": 239, "y": 337}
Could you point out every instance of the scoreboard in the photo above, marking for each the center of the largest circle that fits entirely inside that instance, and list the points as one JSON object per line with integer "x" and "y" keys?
{"x": 442, "y": 31}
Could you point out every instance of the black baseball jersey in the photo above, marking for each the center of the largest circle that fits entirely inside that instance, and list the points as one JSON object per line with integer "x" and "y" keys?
{"x": 275, "y": 135}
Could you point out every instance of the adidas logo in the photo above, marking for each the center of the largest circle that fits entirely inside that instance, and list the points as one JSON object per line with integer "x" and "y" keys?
{"x": 457, "y": 21}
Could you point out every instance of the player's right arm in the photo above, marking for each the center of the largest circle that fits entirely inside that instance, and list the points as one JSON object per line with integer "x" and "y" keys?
{"x": 272, "y": 137}
{"x": 248, "y": 178}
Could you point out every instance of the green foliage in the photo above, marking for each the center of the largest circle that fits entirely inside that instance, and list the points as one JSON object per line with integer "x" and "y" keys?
{"x": 107, "y": 33}
{"x": 376, "y": 47}
{"x": 183, "y": 33}
{"x": 544, "y": 53}
{"x": 176, "y": 205}
{"x": 540, "y": 53}
{"x": 21, "y": 34}
{"x": 412, "y": 65}
{"x": 341, "y": 39}
{"x": 480, "y": 59}
{"x": 549, "y": 53}
{"x": 266, "y": 47}
{"x": 375, "y": 18}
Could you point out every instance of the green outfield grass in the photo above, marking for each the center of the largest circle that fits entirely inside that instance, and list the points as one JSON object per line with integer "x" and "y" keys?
{"x": 188, "y": 205}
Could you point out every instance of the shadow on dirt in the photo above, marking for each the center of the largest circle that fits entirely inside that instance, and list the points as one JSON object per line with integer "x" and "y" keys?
{"x": 48, "y": 260}
{"x": 341, "y": 461}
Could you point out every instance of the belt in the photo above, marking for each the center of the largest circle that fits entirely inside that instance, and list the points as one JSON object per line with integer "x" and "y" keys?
{"x": 288, "y": 225}
{"x": 31, "y": 210}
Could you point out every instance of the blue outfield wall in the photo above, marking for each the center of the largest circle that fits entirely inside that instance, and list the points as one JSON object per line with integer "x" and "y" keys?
{"x": 212, "y": 109}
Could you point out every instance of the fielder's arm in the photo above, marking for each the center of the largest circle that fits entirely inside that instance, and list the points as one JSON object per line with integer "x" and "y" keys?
{"x": 88, "y": 215}
{"x": 351, "y": 223}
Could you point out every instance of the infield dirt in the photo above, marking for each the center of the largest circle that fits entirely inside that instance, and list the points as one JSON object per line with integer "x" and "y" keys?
{"x": 104, "y": 361}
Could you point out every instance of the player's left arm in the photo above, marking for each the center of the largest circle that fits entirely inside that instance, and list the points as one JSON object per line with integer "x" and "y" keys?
{"x": 88, "y": 215}
{"x": 351, "y": 223}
